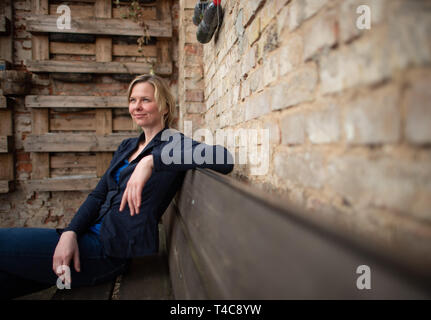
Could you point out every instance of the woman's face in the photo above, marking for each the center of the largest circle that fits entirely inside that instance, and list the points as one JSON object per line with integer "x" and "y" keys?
{"x": 143, "y": 106}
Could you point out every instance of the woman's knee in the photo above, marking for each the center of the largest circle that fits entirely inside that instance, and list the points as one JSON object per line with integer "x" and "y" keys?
{"x": 27, "y": 241}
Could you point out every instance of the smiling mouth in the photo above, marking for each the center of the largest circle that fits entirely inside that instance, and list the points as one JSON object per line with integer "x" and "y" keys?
{"x": 140, "y": 115}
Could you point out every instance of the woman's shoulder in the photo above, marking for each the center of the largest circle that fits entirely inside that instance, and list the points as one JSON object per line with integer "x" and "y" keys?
{"x": 170, "y": 134}
{"x": 125, "y": 143}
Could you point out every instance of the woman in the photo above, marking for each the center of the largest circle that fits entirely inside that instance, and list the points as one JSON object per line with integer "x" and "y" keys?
{"x": 119, "y": 219}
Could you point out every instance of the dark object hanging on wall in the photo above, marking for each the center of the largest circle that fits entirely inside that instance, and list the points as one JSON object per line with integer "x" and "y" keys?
{"x": 199, "y": 11}
{"x": 209, "y": 21}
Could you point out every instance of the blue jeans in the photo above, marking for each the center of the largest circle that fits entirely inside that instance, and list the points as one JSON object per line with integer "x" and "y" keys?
{"x": 26, "y": 261}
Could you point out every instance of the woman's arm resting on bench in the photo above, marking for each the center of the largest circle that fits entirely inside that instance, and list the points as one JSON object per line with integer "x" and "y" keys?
{"x": 179, "y": 154}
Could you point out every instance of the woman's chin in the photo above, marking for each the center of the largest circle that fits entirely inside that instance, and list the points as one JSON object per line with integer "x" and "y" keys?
{"x": 144, "y": 123}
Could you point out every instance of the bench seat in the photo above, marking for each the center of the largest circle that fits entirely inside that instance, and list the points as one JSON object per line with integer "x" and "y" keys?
{"x": 223, "y": 239}
{"x": 147, "y": 278}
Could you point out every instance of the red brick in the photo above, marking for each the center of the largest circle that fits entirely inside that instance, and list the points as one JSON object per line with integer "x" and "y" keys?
{"x": 22, "y": 156}
{"x": 24, "y": 167}
{"x": 194, "y": 96}
{"x": 194, "y": 49}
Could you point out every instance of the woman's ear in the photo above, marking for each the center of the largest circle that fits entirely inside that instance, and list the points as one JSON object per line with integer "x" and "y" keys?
{"x": 165, "y": 115}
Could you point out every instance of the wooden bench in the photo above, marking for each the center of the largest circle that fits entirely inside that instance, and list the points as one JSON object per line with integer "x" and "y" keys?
{"x": 226, "y": 240}
{"x": 147, "y": 278}
{"x": 221, "y": 239}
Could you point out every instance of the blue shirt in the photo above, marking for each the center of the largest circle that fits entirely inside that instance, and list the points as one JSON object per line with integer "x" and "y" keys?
{"x": 96, "y": 227}
{"x": 126, "y": 236}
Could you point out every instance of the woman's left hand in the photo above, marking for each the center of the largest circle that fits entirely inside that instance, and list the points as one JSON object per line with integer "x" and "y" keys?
{"x": 140, "y": 176}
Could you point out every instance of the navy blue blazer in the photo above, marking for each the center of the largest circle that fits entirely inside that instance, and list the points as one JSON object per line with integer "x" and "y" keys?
{"x": 126, "y": 236}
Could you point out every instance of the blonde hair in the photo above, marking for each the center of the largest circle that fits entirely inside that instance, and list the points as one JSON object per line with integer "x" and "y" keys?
{"x": 162, "y": 93}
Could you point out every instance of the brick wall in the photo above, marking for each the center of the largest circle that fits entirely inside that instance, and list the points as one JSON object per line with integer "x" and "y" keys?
{"x": 190, "y": 74}
{"x": 348, "y": 110}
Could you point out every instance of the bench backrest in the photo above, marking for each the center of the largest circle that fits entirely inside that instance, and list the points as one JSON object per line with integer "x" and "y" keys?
{"x": 227, "y": 242}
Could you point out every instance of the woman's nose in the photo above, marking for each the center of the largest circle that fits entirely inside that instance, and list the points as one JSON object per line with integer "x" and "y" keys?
{"x": 139, "y": 105}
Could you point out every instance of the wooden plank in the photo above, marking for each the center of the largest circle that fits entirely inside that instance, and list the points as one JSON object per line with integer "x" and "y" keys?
{"x": 87, "y": 11}
{"x": 76, "y": 10}
{"x": 39, "y": 6}
{"x": 122, "y": 124}
{"x": 163, "y": 10}
{"x": 74, "y": 113}
{"x": 3, "y": 102}
{"x": 40, "y": 165}
{"x": 85, "y": 1}
{"x": 40, "y": 118}
{"x": 14, "y": 82}
{"x": 148, "y": 13}
{"x": 3, "y": 25}
{"x": 148, "y": 277}
{"x": 72, "y": 161}
{"x": 103, "y": 128}
{"x": 40, "y": 47}
{"x": 6, "y": 161}
{"x": 5, "y": 144}
{"x": 163, "y": 51}
{"x": 4, "y": 186}
{"x": 250, "y": 250}
{"x": 40, "y": 122}
{"x": 72, "y": 48}
{"x": 103, "y": 159}
{"x": 101, "y": 291}
{"x": 128, "y": 50}
{"x": 103, "y": 121}
{"x": 6, "y": 43}
{"x": 103, "y": 49}
{"x": 67, "y": 172}
{"x": 7, "y": 167}
{"x": 99, "y": 26}
{"x": 40, "y": 125}
{"x": 67, "y": 183}
{"x": 4, "y": 148}
{"x": 78, "y": 142}
{"x": 186, "y": 279}
{"x": 6, "y": 122}
{"x": 121, "y": 50}
{"x": 64, "y": 124}
{"x": 97, "y": 67}
{"x": 103, "y": 9}
{"x": 75, "y": 102}
{"x": 40, "y": 43}
{"x": 67, "y": 124}
{"x": 72, "y": 77}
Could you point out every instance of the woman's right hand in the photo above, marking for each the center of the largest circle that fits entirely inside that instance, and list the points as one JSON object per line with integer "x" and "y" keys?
{"x": 67, "y": 248}
{"x": 136, "y": 183}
